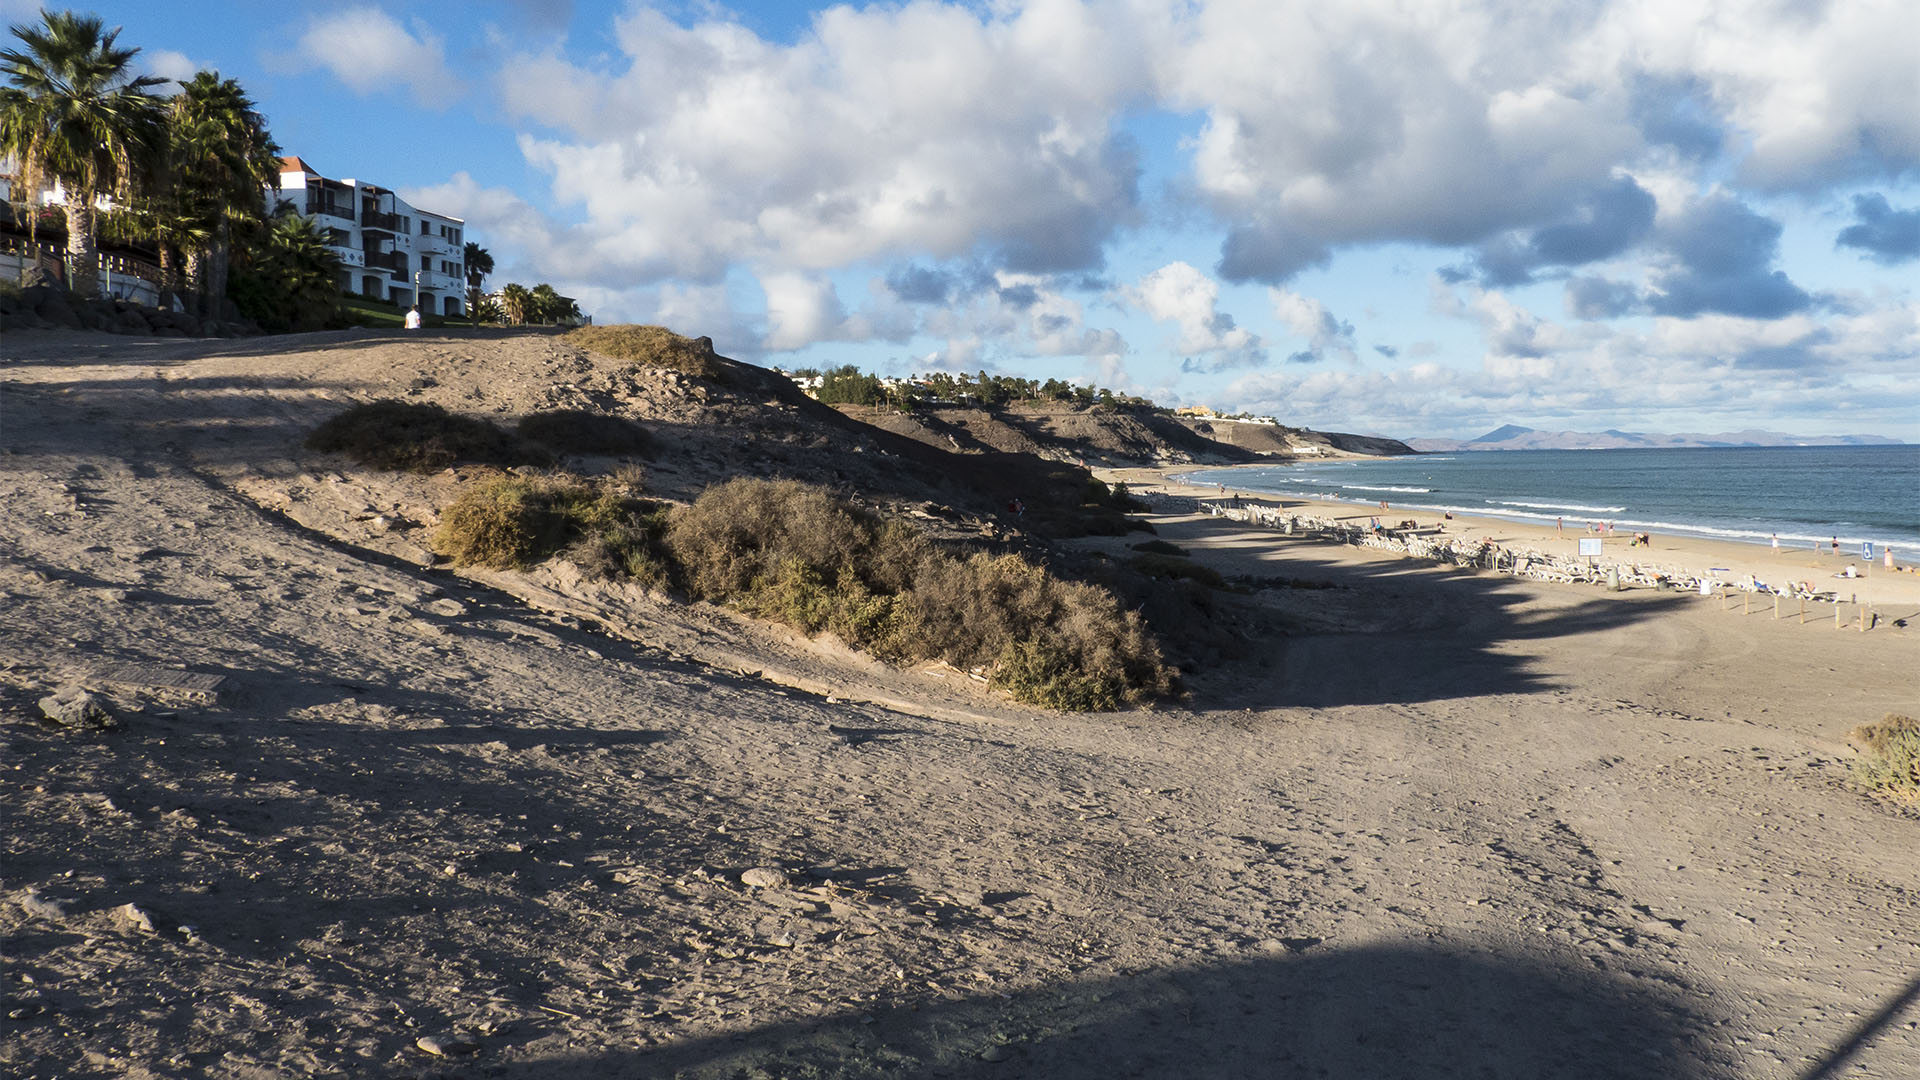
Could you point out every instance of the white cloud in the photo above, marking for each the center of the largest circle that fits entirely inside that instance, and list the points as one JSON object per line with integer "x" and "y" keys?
{"x": 168, "y": 64}
{"x": 370, "y": 51}
{"x": 1182, "y": 295}
{"x": 1711, "y": 373}
{"x": 1310, "y": 319}
{"x": 801, "y": 309}
{"x": 927, "y": 129}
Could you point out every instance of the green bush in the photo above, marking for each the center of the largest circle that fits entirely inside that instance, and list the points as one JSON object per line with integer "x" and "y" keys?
{"x": 791, "y": 552}
{"x": 1890, "y": 762}
{"x": 1040, "y": 673}
{"x": 418, "y": 437}
{"x": 577, "y": 431}
{"x": 1122, "y": 500}
{"x": 651, "y": 346}
{"x": 513, "y": 522}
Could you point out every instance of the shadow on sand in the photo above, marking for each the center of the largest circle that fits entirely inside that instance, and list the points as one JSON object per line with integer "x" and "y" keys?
{"x": 1384, "y": 1013}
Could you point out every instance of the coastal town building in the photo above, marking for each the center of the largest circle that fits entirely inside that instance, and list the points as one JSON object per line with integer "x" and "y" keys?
{"x": 389, "y": 249}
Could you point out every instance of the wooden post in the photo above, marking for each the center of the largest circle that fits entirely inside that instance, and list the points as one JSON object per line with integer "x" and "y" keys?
{"x": 1803, "y": 609}
{"x": 1776, "y": 607}
{"x": 1836, "y": 614}
{"x": 1746, "y": 602}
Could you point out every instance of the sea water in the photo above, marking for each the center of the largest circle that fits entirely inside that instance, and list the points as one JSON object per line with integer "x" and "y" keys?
{"x": 1805, "y": 495}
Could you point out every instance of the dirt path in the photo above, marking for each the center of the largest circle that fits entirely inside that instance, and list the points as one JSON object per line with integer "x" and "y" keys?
{"x": 1453, "y": 826}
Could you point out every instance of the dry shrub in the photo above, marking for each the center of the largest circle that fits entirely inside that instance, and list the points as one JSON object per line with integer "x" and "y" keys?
{"x": 653, "y": 346}
{"x": 792, "y": 552}
{"x": 1890, "y": 763}
{"x": 577, "y": 431}
{"x": 512, "y": 522}
{"x": 419, "y": 437}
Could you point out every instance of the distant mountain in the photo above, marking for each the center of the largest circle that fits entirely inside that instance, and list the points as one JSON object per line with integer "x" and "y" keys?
{"x": 1515, "y": 437}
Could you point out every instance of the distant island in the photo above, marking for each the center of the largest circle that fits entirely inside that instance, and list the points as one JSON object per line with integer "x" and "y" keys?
{"x": 1515, "y": 437}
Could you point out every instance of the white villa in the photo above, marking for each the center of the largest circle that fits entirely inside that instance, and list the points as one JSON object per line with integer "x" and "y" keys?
{"x": 391, "y": 250}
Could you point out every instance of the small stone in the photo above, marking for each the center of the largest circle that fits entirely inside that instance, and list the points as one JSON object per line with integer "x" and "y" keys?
{"x": 73, "y": 705}
{"x": 446, "y": 1045}
{"x": 447, "y": 607}
{"x": 764, "y": 877}
{"x": 135, "y": 916}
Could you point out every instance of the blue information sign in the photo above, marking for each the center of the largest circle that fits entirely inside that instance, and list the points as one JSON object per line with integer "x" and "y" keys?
{"x": 1866, "y": 550}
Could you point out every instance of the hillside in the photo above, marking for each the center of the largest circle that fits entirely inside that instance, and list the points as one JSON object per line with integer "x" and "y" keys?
{"x": 1113, "y": 437}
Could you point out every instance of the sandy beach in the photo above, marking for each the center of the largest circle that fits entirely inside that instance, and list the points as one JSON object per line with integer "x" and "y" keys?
{"x": 1421, "y": 822}
{"x": 1733, "y": 563}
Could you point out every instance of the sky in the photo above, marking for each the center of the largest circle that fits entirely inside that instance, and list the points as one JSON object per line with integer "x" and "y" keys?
{"x": 1399, "y": 217}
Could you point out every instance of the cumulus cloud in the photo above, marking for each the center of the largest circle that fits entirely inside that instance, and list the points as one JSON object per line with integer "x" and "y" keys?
{"x": 1886, "y": 235}
{"x": 1602, "y": 223}
{"x": 1593, "y": 297}
{"x": 924, "y": 130}
{"x": 1817, "y": 93}
{"x": 1309, "y": 318}
{"x": 370, "y": 51}
{"x": 1182, "y": 295}
{"x": 168, "y": 64}
{"x": 1699, "y": 369}
{"x": 1722, "y": 252}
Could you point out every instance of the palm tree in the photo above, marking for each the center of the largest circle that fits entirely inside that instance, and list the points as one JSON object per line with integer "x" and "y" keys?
{"x": 546, "y": 303}
{"x": 75, "y": 114}
{"x": 517, "y": 301}
{"x": 290, "y": 279}
{"x": 479, "y": 265}
{"x": 221, "y": 161}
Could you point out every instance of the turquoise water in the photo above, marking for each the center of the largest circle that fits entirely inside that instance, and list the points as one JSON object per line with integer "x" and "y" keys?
{"x": 1805, "y": 495}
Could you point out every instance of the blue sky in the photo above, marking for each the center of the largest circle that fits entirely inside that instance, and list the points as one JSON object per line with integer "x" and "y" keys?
{"x": 1390, "y": 216}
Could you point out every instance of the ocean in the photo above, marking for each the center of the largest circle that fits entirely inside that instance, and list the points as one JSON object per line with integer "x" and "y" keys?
{"x": 1807, "y": 495}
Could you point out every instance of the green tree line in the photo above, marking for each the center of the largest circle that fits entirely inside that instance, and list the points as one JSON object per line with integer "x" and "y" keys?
{"x": 848, "y": 385}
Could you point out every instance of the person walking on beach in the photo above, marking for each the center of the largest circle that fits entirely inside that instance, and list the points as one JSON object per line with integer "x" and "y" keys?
{"x": 413, "y": 317}
{"x": 1559, "y": 526}
{"x": 1836, "y": 545}
{"x": 1776, "y": 541}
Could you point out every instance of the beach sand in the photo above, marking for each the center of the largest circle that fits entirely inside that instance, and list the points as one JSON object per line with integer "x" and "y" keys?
{"x": 1731, "y": 562}
{"x": 1427, "y": 823}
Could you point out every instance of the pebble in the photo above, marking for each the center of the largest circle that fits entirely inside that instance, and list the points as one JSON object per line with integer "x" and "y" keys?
{"x": 764, "y": 877}
{"x": 75, "y": 705}
{"x": 135, "y": 916}
{"x": 447, "y": 607}
{"x": 446, "y": 1045}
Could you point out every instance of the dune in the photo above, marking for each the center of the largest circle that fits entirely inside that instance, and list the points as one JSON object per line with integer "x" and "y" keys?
{"x": 348, "y": 811}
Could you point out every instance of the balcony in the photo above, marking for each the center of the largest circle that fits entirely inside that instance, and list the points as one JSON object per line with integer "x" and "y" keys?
{"x": 344, "y": 213}
{"x": 390, "y": 261}
{"x": 373, "y": 219}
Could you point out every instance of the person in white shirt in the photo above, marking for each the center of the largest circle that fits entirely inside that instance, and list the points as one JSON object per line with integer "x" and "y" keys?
{"x": 413, "y": 317}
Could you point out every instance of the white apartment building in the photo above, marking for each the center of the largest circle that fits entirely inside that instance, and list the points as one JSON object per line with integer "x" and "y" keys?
{"x": 390, "y": 250}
